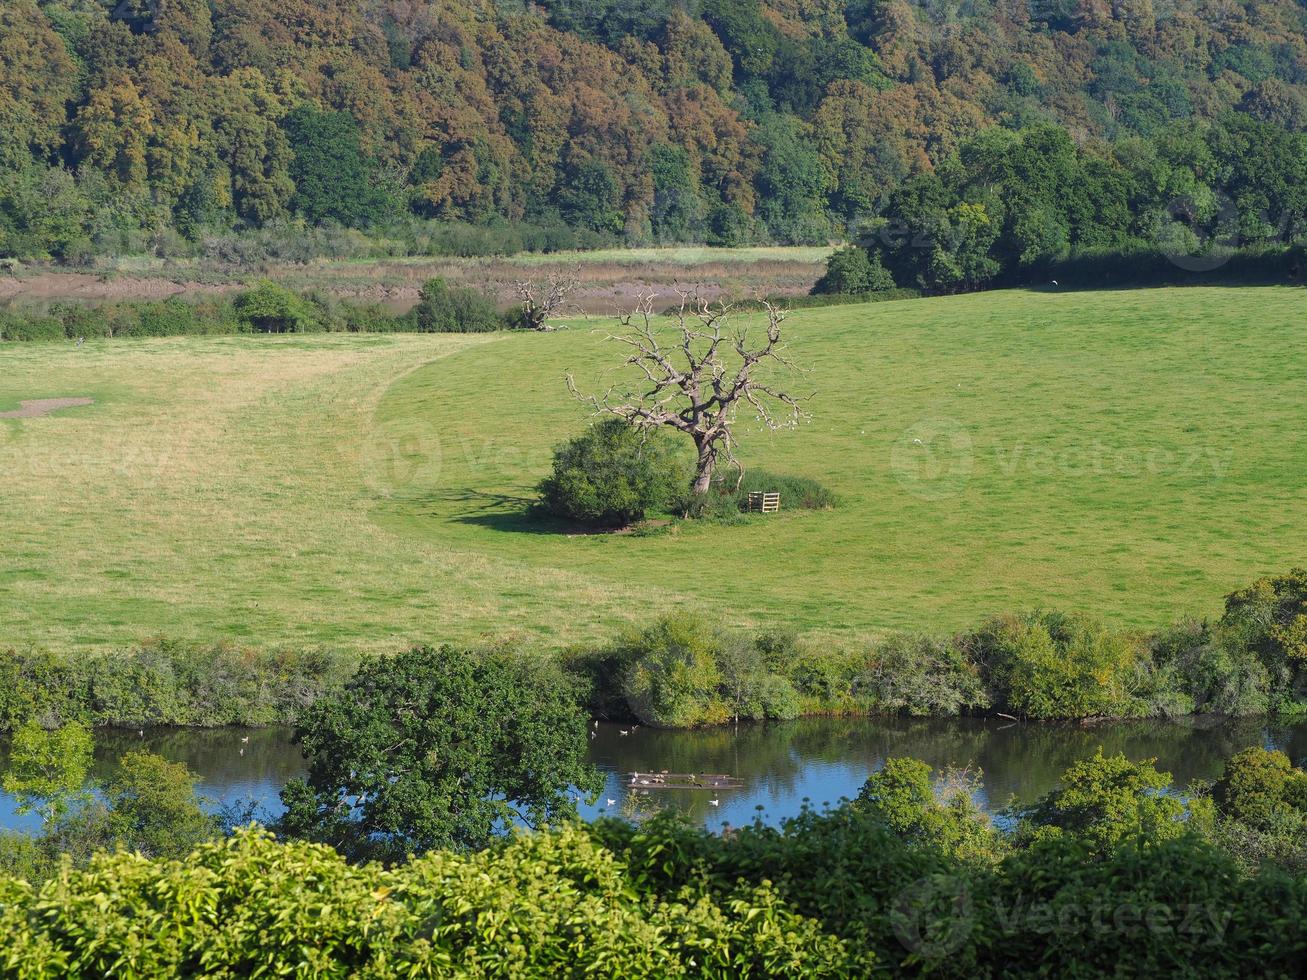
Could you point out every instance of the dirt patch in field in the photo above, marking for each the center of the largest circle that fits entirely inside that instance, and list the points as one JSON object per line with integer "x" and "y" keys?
{"x": 36, "y": 407}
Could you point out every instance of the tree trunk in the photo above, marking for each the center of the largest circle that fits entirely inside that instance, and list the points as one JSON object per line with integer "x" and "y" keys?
{"x": 704, "y": 469}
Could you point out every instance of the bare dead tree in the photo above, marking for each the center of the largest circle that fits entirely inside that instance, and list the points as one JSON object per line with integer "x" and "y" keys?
{"x": 540, "y": 301}
{"x": 698, "y": 382}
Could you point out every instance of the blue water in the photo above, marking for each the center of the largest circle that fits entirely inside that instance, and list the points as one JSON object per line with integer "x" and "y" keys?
{"x": 784, "y": 767}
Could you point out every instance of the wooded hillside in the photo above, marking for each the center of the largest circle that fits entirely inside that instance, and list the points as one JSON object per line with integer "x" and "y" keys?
{"x": 141, "y": 124}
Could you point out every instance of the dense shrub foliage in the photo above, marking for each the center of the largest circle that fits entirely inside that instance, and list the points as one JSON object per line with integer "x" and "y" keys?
{"x": 902, "y": 881}
{"x": 165, "y": 683}
{"x": 613, "y": 475}
{"x": 456, "y": 309}
{"x": 438, "y": 748}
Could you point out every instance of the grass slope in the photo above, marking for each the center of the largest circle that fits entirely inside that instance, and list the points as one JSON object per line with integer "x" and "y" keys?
{"x": 1130, "y": 454}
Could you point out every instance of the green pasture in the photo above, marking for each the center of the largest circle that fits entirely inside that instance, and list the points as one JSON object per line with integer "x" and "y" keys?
{"x": 1132, "y": 454}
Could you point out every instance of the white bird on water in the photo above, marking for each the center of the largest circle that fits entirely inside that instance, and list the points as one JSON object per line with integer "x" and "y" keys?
{"x": 715, "y": 802}
{"x": 245, "y": 739}
{"x": 612, "y": 803}
{"x": 623, "y": 731}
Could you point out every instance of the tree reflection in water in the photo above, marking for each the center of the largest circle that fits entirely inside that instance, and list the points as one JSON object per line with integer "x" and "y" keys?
{"x": 817, "y": 760}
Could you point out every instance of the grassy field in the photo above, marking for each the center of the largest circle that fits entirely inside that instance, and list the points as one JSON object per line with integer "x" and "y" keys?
{"x": 1131, "y": 454}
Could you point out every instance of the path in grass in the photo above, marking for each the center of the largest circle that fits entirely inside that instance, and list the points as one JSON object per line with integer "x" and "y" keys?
{"x": 1131, "y": 454}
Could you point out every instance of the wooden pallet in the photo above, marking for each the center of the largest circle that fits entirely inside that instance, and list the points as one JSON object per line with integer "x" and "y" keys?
{"x": 681, "y": 780}
{"x": 765, "y": 503}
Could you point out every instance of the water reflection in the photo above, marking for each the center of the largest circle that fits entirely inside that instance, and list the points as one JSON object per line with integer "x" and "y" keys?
{"x": 816, "y": 760}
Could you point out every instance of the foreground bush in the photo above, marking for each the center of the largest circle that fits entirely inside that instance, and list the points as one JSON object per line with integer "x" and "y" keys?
{"x": 546, "y": 905}
{"x": 897, "y": 883}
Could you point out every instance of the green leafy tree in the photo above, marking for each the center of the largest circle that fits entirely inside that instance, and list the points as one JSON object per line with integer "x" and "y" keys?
{"x": 1107, "y": 801}
{"x": 903, "y": 794}
{"x": 613, "y": 474}
{"x": 853, "y": 270}
{"x": 154, "y": 809}
{"x": 48, "y": 769}
{"x": 330, "y": 172}
{"x": 438, "y": 747}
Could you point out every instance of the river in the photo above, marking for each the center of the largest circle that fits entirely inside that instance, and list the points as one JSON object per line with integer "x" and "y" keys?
{"x": 783, "y": 766}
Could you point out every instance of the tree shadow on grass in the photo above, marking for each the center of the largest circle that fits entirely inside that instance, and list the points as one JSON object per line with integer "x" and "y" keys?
{"x": 511, "y": 514}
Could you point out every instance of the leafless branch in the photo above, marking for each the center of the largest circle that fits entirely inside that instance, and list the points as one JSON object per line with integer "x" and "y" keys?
{"x": 697, "y": 382}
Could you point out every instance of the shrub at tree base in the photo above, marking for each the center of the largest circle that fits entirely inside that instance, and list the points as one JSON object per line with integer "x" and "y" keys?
{"x": 272, "y": 308}
{"x": 613, "y": 475}
{"x": 457, "y": 309}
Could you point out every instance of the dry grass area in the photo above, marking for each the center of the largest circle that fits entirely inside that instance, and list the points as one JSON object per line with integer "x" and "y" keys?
{"x": 611, "y": 278}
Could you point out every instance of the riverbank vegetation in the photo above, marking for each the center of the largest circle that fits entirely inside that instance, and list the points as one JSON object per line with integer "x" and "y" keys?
{"x": 685, "y": 670}
{"x": 265, "y": 307}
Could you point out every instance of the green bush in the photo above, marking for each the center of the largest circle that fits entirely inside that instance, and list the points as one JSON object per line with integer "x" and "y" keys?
{"x": 797, "y": 492}
{"x": 1207, "y": 668}
{"x": 1053, "y": 665}
{"x": 1257, "y": 812}
{"x": 272, "y": 308}
{"x": 613, "y": 475}
{"x": 853, "y": 270}
{"x": 455, "y": 309}
{"x": 670, "y": 673}
{"x": 170, "y": 318}
{"x": 1107, "y": 801}
{"x": 920, "y": 676}
{"x": 17, "y": 326}
{"x": 165, "y": 683}
{"x": 903, "y": 795}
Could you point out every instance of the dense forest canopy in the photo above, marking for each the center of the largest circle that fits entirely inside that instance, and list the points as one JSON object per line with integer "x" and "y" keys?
{"x": 128, "y": 125}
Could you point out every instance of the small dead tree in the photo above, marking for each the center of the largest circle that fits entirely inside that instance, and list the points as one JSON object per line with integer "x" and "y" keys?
{"x": 540, "y": 301}
{"x": 698, "y": 382}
